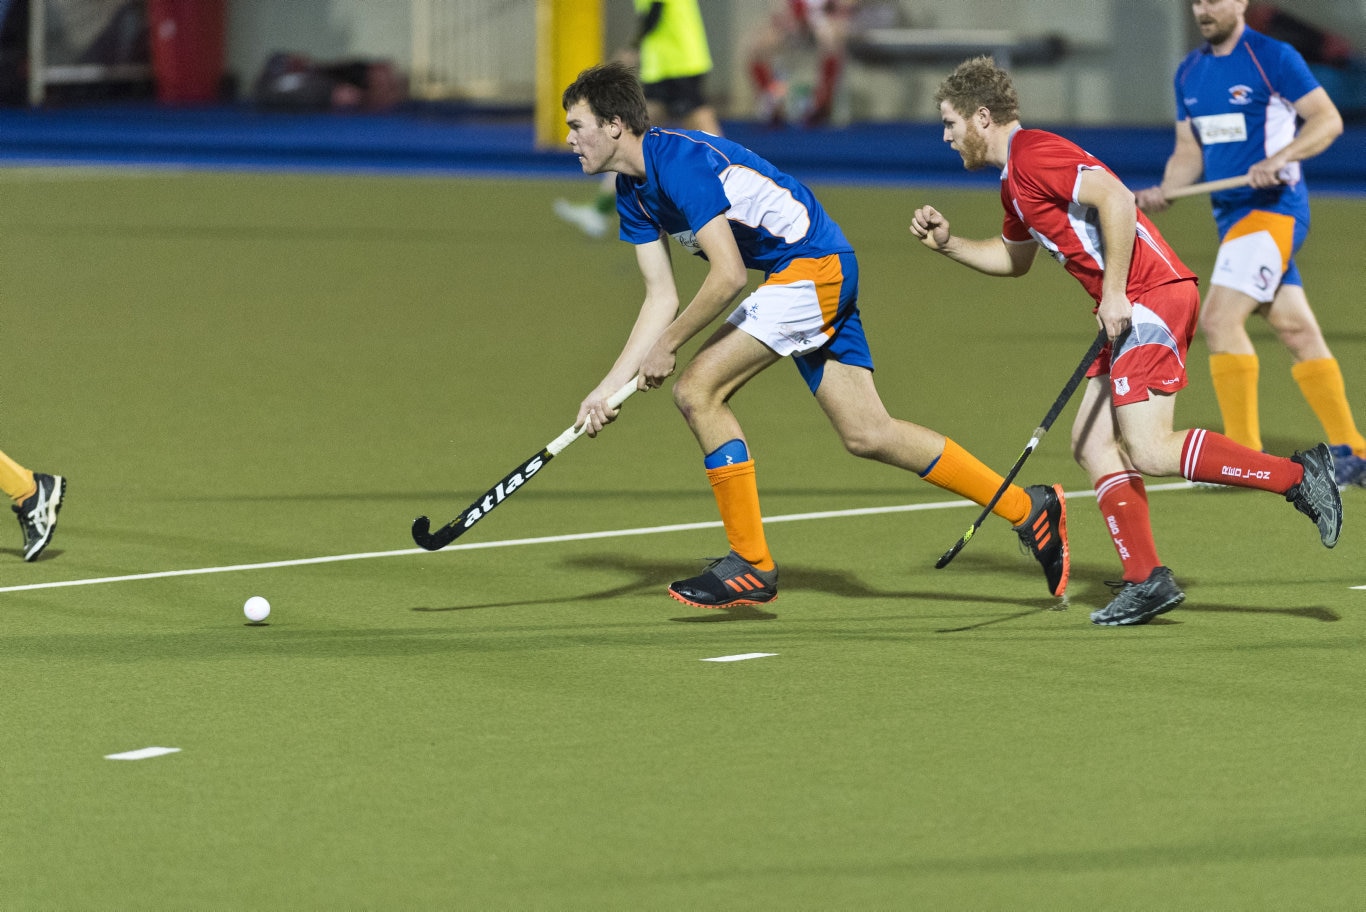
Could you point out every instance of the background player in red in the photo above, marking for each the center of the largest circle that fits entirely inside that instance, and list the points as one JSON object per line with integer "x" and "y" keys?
{"x": 821, "y": 24}
{"x": 1060, "y": 198}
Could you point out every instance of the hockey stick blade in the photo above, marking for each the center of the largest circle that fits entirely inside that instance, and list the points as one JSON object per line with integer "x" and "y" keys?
{"x": 511, "y": 483}
{"x": 1056, "y": 409}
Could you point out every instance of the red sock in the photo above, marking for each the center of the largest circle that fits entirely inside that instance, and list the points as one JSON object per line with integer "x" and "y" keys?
{"x": 1207, "y": 456}
{"x": 762, "y": 74}
{"x": 824, "y": 95}
{"x": 1124, "y": 504}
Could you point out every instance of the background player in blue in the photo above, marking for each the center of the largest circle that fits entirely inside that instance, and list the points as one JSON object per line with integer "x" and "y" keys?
{"x": 733, "y": 208}
{"x": 1238, "y": 100}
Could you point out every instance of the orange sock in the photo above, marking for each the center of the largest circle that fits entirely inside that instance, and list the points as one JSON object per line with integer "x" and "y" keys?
{"x": 737, "y": 496}
{"x": 1321, "y": 383}
{"x": 1235, "y": 386}
{"x": 959, "y": 471}
{"x": 15, "y": 480}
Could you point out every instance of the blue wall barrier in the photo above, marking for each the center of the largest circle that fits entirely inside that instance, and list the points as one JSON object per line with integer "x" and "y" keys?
{"x": 434, "y": 140}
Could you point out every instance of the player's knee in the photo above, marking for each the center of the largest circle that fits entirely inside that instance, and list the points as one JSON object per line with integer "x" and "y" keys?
{"x": 683, "y": 396}
{"x": 1214, "y": 320}
{"x": 693, "y": 398}
{"x": 863, "y": 442}
{"x": 1155, "y": 458}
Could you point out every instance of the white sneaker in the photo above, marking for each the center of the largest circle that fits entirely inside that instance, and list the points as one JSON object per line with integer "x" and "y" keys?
{"x": 585, "y": 216}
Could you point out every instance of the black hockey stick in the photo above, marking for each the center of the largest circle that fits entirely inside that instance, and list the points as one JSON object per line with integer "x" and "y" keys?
{"x": 513, "y": 482}
{"x": 1072, "y": 382}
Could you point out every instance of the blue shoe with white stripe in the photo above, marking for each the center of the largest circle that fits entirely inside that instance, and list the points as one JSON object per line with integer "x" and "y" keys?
{"x": 1348, "y": 468}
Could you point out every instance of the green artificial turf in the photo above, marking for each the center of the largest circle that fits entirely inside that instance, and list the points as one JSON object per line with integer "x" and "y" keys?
{"x": 246, "y": 369}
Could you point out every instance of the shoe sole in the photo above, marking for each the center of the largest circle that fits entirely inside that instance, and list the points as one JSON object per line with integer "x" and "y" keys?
{"x": 726, "y": 604}
{"x": 1066, "y": 548}
{"x": 54, "y": 506}
{"x": 1139, "y": 619}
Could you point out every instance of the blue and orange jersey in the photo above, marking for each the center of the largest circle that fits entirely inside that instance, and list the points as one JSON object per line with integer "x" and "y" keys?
{"x": 1241, "y": 109}
{"x": 691, "y": 177}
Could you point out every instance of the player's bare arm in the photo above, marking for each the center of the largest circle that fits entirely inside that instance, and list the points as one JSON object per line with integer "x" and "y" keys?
{"x": 992, "y": 256}
{"x": 1322, "y": 125}
{"x": 726, "y": 278}
{"x": 1114, "y": 205}
{"x": 1185, "y": 167}
{"x": 656, "y": 312}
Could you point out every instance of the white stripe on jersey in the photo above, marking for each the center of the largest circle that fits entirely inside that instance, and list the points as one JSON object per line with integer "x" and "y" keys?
{"x": 1083, "y": 222}
{"x": 757, "y": 202}
{"x": 1280, "y": 132}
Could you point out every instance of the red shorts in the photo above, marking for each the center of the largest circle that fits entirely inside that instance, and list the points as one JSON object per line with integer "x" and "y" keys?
{"x": 1152, "y": 356}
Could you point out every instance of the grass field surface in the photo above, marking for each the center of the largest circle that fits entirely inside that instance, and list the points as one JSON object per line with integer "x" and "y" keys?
{"x": 242, "y": 374}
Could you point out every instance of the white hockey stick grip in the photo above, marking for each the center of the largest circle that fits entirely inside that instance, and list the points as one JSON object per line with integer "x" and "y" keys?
{"x": 574, "y": 433}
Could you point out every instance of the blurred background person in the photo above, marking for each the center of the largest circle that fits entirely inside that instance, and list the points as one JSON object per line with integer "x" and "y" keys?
{"x": 671, "y": 52}
{"x": 822, "y": 25}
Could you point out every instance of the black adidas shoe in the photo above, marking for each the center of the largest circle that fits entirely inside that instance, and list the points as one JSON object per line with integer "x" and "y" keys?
{"x": 1044, "y": 534}
{"x": 727, "y": 581}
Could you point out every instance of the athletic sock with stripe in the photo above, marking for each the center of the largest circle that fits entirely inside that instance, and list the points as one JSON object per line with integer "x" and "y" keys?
{"x": 1123, "y": 501}
{"x": 1207, "y": 456}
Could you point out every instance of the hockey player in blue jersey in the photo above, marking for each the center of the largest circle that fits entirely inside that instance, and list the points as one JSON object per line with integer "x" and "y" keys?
{"x": 1248, "y": 105}
{"x": 735, "y": 210}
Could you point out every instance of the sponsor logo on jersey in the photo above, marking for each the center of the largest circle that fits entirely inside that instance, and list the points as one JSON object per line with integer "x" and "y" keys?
{"x": 688, "y": 240}
{"x": 1221, "y": 128}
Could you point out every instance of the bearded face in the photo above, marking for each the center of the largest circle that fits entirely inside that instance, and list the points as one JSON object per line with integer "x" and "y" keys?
{"x": 1218, "y": 20}
{"x": 972, "y": 145}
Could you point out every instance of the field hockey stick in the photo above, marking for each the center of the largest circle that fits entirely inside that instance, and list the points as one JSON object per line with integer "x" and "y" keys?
{"x": 1227, "y": 183}
{"x": 1072, "y": 382}
{"x": 511, "y": 483}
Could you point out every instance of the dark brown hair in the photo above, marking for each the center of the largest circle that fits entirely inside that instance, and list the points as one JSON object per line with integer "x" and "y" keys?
{"x": 611, "y": 90}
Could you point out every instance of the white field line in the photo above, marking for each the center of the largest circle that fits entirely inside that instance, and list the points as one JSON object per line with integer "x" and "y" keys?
{"x": 143, "y": 753}
{"x": 742, "y": 657}
{"x": 542, "y": 540}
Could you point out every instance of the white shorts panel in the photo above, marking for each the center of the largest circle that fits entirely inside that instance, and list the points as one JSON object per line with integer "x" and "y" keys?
{"x": 786, "y": 318}
{"x": 1250, "y": 264}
